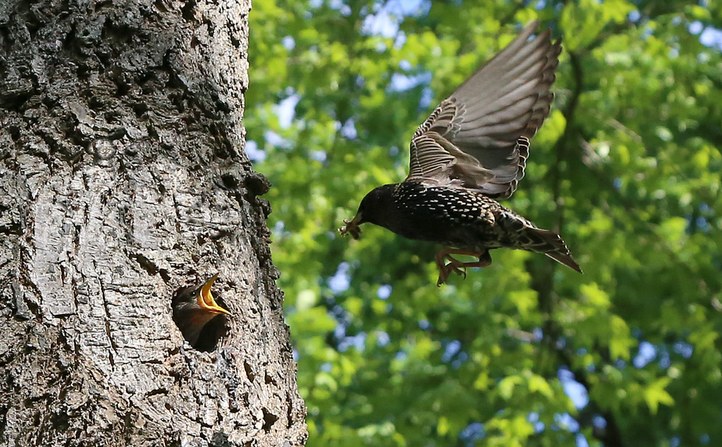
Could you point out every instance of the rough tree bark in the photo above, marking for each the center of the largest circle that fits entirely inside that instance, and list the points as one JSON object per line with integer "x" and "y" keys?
{"x": 122, "y": 180}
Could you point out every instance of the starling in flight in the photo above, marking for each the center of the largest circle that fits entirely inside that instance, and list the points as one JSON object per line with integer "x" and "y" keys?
{"x": 471, "y": 151}
{"x": 194, "y": 308}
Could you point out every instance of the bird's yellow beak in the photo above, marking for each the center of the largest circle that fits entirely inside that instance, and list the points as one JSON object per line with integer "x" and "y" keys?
{"x": 205, "y": 298}
{"x": 352, "y": 227}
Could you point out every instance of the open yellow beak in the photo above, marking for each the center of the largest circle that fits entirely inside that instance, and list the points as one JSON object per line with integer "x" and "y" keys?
{"x": 205, "y": 298}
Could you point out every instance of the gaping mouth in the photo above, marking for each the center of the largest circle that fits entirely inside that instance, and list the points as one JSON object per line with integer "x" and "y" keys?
{"x": 351, "y": 227}
{"x": 206, "y": 301}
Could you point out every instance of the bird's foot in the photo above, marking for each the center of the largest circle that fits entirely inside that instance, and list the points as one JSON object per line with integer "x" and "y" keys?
{"x": 455, "y": 266}
{"x": 459, "y": 267}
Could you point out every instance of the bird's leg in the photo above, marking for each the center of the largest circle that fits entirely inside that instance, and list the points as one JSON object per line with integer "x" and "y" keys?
{"x": 446, "y": 269}
{"x": 484, "y": 258}
{"x": 458, "y": 266}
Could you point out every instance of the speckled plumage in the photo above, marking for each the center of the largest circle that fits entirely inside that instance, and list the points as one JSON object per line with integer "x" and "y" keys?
{"x": 469, "y": 151}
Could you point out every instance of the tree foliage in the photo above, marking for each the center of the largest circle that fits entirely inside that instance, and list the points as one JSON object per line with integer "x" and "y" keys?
{"x": 525, "y": 352}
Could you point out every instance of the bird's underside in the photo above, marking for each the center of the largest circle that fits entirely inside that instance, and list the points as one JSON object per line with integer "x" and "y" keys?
{"x": 471, "y": 150}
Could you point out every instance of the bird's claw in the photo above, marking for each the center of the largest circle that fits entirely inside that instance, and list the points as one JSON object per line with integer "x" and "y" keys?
{"x": 457, "y": 266}
{"x": 458, "y": 270}
{"x": 446, "y": 270}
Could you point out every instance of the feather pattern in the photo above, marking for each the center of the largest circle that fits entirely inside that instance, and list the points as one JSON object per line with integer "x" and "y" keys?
{"x": 478, "y": 137}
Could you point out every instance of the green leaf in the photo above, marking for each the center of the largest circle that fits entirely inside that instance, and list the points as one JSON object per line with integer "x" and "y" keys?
{"x": 655, "y": 394}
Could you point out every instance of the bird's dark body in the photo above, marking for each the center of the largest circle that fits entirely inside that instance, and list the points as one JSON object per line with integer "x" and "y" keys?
{"x": 451, "y": 216}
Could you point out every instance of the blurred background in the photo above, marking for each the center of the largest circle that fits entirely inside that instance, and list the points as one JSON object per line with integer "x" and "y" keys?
{"x": 526, "y": 352}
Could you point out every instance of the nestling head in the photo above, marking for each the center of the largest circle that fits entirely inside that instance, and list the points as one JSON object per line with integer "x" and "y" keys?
{"x": 372, "y": 210}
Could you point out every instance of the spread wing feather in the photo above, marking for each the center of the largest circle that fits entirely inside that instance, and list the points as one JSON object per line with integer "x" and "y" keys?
{"x": 479, "y": 136}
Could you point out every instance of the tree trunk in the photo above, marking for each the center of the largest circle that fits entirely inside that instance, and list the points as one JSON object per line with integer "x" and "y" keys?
{"x": 122, "y": 181}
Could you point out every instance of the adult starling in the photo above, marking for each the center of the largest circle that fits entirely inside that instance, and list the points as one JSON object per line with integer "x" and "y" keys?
{"x": 469, "y": 152}
{"x": 194, "y": 308}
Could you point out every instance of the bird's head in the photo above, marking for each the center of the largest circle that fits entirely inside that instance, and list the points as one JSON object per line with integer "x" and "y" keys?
{"x": 374, "y": 206}
{"x": 194, "y": 308}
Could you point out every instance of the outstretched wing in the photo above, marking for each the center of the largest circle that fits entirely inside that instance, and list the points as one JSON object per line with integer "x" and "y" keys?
{"x": 479, "y": 136}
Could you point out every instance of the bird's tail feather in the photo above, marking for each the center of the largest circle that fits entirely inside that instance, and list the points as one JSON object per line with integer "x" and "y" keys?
{"x": 552, "y": 245}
